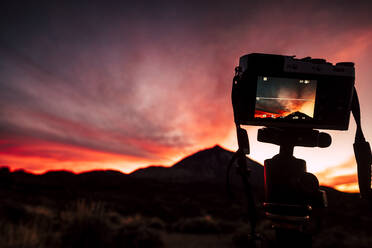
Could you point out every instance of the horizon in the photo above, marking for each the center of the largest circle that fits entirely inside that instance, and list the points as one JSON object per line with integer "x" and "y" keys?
{"x": 120, "y": 86}
{"x": 78, "y": 172}
{"x": 112, "y": 169}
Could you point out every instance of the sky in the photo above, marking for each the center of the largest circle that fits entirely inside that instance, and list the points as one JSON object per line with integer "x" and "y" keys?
{"x": 121, "y": 85}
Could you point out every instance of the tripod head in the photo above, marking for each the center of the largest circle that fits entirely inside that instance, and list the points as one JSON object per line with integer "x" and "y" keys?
{"x": 286, "y": 179}
{"x": 287, "y": 139}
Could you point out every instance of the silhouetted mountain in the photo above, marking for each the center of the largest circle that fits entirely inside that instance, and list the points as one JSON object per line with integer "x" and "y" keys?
{"x": 297, "y": 115}
{"x": 206, "y": 165}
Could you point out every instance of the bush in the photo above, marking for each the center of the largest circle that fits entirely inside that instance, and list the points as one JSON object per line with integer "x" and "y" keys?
{"x": 137, "y": 237}
{"x": 197, "y": 225}
{"x": 246, "y": 240}
{"x": 156, "y": 223}
{"x": 14, "y": 213}
{"x": 82, "y": 224}
{"x": 88, "y": 232}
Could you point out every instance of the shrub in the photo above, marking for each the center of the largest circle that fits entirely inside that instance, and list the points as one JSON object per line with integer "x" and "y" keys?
{"x": 14, "y": 213}
{"x": 92, "y": 232}
{"x": 197, "y": 225}
{"x": 156, "y": 223}
{"x": 137, "y": 237}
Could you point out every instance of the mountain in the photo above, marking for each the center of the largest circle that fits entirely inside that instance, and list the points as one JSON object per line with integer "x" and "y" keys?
{"x": 209, "y": 165}
{"x": 297, "y": 115}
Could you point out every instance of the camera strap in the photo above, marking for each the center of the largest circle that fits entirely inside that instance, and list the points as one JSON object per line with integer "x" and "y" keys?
{"x": 362, "y": 152}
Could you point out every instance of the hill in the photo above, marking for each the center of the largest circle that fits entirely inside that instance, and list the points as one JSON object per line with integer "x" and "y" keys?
{"x": 208, "y": 165}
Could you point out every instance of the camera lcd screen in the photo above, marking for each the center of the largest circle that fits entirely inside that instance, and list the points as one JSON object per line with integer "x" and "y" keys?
{"x": 285, "y": 98}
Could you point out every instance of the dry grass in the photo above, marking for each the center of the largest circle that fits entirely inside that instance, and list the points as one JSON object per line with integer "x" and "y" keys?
{"x": 81, "y": 224}
{"x": 198, "y": 225}
{"x": 21, "y": 236}
{"x": 40, "y": 210}
{"x": 82, "y": 209}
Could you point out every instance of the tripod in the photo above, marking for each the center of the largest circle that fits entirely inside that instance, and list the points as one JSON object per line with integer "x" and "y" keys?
{"x": 290, "y": 192}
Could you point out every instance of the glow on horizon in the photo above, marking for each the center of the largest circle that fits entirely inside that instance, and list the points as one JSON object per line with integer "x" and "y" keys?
{"x": 326, "y": 169}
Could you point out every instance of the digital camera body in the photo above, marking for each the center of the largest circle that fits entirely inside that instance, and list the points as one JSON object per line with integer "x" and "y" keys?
{"x": 282, "y": 91}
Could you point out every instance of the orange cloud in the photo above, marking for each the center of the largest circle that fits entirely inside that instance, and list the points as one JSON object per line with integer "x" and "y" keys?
{"x": 342, "y": 174}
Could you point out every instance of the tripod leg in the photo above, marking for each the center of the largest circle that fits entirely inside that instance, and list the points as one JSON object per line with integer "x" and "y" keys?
{"x": 252, "y": 211}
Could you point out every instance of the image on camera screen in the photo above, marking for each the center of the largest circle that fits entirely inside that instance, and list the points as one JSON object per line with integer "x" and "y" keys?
{"x": 285, "y": 98}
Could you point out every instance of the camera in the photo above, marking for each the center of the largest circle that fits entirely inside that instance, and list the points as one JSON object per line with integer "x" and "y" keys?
{"x": 291, "y": 97}
{"x": 283, "y": 91}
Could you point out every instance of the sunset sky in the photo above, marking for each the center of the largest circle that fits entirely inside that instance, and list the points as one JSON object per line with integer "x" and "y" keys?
{"x": 102, "y": 84}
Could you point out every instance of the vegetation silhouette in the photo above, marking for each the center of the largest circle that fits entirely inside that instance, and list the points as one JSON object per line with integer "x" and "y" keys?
{"x": 180, "y": 206}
